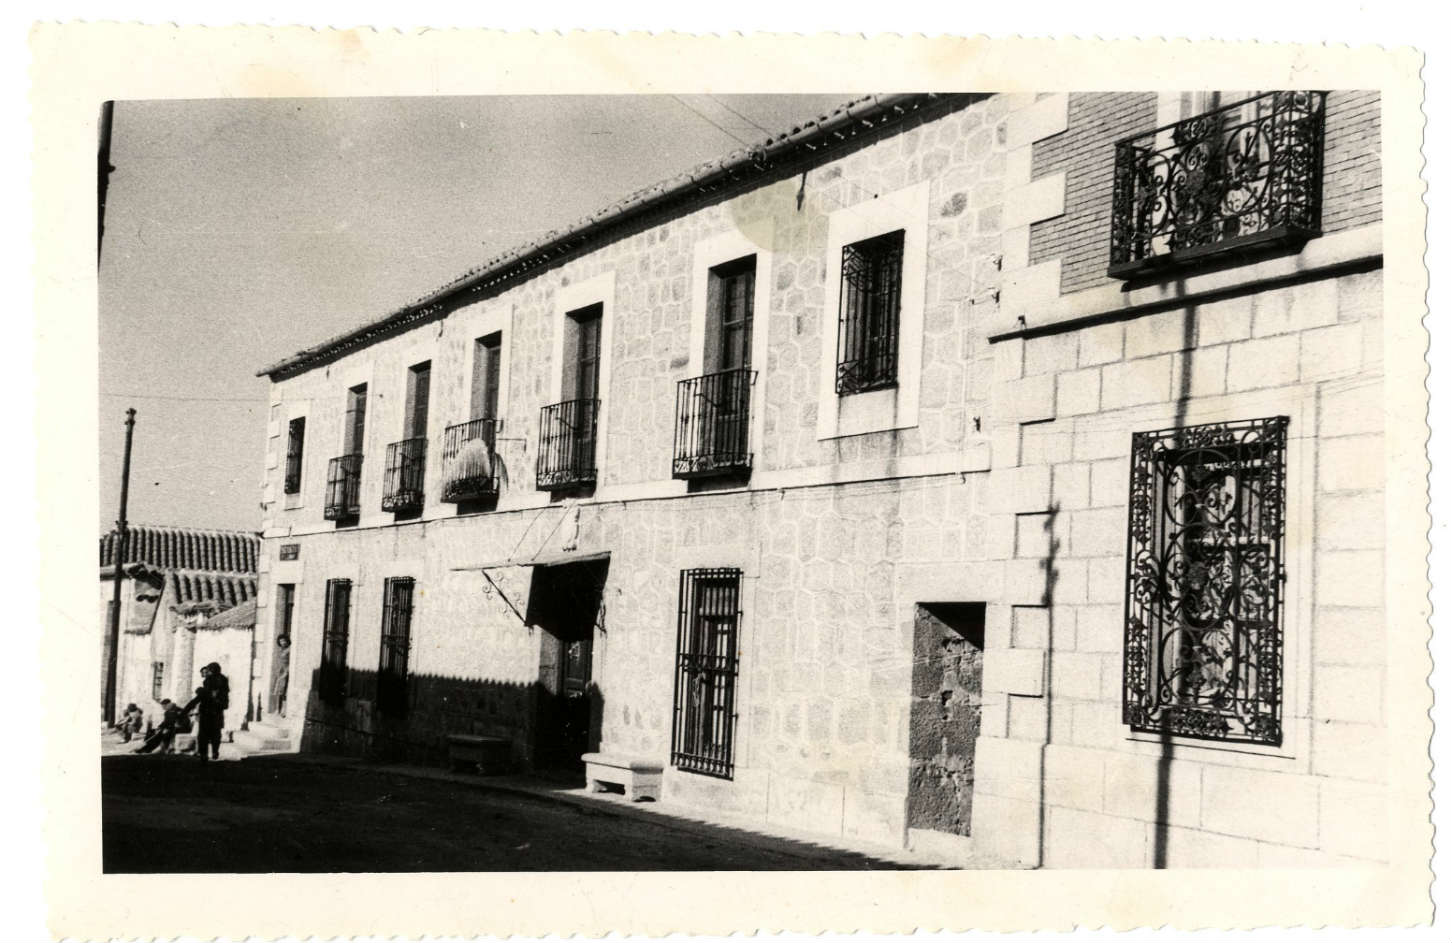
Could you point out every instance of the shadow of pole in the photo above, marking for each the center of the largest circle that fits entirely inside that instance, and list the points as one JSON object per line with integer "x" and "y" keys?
{"x": 1051, "y": 576}
{"x": 1167, "y": 745}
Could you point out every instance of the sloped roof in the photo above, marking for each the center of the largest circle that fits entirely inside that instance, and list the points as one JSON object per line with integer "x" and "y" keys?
{"x": 240, "y": 616}
{"x": 811, "y": 142}
{"x": 182, "y": 548}
{"x": 190, "y": 589}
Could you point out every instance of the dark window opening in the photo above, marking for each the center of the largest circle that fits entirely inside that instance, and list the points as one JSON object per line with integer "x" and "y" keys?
{"x": 393, "y": 653}
{"x": 292, "y": 471}
{"x": 706, "y": 662}
{"x": 869, "y": 309}
{"x": 1203, "y": 643}
{"x": 333, "y": 669}
{"x": 404, "y": 460}
{"x": 484, "y": 396}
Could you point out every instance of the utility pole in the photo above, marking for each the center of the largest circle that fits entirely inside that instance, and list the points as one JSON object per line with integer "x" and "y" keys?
{"x": 113, "y": 630}
{"x": 103, "y": 175}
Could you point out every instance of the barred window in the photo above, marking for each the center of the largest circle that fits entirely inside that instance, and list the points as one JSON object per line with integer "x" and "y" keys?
{"x": 158, "y": 679}
{"x": 867, "y": 322}
{"x": 1203, "y": 638}
{"x": 393, "y": 654}
{"x": 333, "y": 669}
{"x": 292, "y": 473}
{"x": 706, "y": 657}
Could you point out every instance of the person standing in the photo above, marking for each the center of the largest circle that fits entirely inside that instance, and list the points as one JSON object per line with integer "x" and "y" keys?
{"x": 211, "y": 702}
{"x": 281, "y": 672}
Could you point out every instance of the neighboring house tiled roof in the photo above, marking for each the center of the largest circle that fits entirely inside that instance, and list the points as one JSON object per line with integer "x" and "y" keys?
{"x": 190, "y": 588}
{"x": 241, "y": 616}
{"x": 184, "y": 548}
{"x": 774, "y": 158}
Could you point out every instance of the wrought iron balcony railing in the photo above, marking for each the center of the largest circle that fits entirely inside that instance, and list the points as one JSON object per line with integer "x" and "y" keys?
{"x": 1242, "y": 176}
{"x": 469, "y": 461}
{"x": 403, "y": 474}
{"x": 567, "y": 445}
{"x": 341, "y": 500}
{"x": 713, "y": 424}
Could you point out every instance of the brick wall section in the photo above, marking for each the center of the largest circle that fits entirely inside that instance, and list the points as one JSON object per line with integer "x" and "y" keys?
{"x": 1085, "y": 153}
{"x": 1351, "y": 188}
{"x": 1351, "y": 183}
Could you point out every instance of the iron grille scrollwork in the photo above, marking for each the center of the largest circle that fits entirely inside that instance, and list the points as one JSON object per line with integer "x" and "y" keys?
{"x": 567, "y": 445}
{"x": 343, "y": 478}
{"x": 867, "y": 320}
{"x": 1203, "y": 637}
{"x": 713, "y": 424}
{"x": 1247, "y": 174}
{"x": 704, "y": 721}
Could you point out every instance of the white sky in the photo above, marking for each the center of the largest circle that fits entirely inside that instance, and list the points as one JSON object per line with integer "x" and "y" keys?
{"x": 239, "y": 231}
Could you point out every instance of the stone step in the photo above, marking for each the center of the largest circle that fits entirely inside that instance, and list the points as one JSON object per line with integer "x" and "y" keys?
{"x": 268, "y": 729}
{"x": 252, "y": 741}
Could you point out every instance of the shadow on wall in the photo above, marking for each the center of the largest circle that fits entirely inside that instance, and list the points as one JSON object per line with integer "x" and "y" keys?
{"x": 431, "y": 707}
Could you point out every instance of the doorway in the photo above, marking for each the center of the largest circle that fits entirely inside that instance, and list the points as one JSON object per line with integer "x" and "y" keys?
{"x": 565, "y": 602}
{"x": 946, "y": 714}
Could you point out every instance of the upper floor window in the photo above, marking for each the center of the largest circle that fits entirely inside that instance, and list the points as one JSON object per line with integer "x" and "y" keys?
{"x": 292, "y": 471}
{"x": 581, "y": 378}
{"x": 484, "y": 391}
{"x": 404, "y": 460}
{"x": 345, "y": 472}
{"x": 1235, "y": 176}
{"x": 713, "y": 411}
{"x": 868, "y": 310}
{"x": 1203, "y": 639}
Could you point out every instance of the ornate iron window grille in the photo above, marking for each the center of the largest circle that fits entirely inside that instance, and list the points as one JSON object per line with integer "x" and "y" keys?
{"x": 704, "y": 720}
{"x": 403, "y": 474}
{"x": 292, "y": 471}
{"x": 868, "y": 314}
{"x": 1203, "y": 637}
{"x": 713, "y": 424}
{"x": 333, "y": 668}
{"x": 341, "y": 502}
{"x": 567, "y": 445}
{"x": 393, "y": 651}
{"x": 470, "y": 465}
{"x": 1244, "y": 175}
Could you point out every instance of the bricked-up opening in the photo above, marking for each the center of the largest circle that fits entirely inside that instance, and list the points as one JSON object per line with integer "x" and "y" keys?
{"x": 946, "y": 714}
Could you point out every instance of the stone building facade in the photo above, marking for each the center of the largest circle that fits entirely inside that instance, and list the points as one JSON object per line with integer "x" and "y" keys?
{"x": 861, "y": 566}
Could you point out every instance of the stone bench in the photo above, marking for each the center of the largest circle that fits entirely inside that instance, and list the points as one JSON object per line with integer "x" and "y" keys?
{"x": 641, "y": 778}
{"x": 478, "y": 754}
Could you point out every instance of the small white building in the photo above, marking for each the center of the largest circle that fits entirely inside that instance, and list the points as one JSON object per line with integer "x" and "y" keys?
{"x": 182, "y": 606}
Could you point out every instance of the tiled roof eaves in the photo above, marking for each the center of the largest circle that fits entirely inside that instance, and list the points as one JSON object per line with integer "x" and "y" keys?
{"x": 810, "y": 142}
{"x": 171, "y": 548}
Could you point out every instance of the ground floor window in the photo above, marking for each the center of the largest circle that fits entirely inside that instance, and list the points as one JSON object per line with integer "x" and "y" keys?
{"x": 333, "y": 673}
{"x": 158, "y": 679}
{"x": 393, "y": 654}
{"x": 1203, "y": 634}
{"x": 706, "y": 661}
